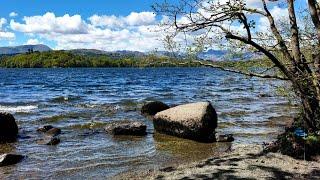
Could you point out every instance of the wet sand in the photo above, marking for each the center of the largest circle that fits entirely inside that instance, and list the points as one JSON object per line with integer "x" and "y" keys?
{"x": 241, "y": 162}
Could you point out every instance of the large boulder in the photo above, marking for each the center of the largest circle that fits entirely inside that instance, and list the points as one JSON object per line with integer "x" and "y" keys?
{"x": 9, "y": 159}
{"x": 152, "y": 108}
{"x": 126, "y": 128}
{"x": 8, "y": 127}
{"x": 196, "y": 121}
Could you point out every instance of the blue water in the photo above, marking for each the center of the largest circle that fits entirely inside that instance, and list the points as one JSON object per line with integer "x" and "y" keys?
{"x": 82, "y": 101}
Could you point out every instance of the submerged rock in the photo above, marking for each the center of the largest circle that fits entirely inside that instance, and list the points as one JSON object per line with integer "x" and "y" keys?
{"x": 49, "y": 130}
{"x": 196, "y": 121}
{"x": 152, "y": 108}
{"x": 10, "y": 159}
{"x": 8, "y": 127}
{"x": 224, "y": 138}
{"x": 44, "y": 128}
{"x": 127, "y": 128}
{"x": 53, "y": 132}
{"x": 49, "y": 141}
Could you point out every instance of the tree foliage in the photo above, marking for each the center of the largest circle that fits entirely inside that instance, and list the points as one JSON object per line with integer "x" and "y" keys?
{"x": 287, "y": 43}
{"x": 65, "y": 59}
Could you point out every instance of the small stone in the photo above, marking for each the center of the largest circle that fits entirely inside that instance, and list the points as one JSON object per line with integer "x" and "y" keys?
{"x": 224, "y": 138}
{"x": 44, "y": 128}
{"x": 49, "y": 141}
{"x": 127, "y": 128}
{"x": 53, "y": 132}
{"x": 10, "y": 159}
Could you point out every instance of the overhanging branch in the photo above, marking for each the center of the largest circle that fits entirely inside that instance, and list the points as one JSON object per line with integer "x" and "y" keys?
{"x": 250, "y": 74}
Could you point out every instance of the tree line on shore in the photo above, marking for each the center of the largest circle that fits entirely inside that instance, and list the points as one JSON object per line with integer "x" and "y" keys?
{"x": 65, "y": 59}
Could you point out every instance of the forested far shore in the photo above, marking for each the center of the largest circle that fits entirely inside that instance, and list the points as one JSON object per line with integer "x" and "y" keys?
{"x": 65, "y": 59}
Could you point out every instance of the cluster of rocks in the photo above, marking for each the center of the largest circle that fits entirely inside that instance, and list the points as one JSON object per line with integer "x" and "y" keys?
{"x": 195, "y": 121}
{"x": 9, "y": 132}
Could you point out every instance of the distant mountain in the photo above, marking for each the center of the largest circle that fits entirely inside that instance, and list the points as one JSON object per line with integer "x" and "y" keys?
{"x": 213, "y": 55}
{"x": 220, "y": 55}
{"x": 112, "y": 54}
{"x": 23, "y": 49}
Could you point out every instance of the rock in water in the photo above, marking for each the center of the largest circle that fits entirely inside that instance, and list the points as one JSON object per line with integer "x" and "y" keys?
{"x": 153, "y": 108}
{"x": 45, "y": 128}
{"x": 49, "y": 130}
{"x": 196, "y": 121}
{"x": 224, "y": 138}
{"x": 9, "y": 159}
{"x": 53, "y": 132}
{"x": 127, "y": 128}
{"x": 8, "y": 127}
{"x": 49, "y": 141}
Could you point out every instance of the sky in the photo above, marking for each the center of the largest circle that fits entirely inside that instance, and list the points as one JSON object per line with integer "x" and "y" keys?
{"x": 93, "y": 24}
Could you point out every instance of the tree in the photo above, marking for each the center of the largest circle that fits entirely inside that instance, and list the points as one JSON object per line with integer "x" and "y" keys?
{"x": 285, "y": 46}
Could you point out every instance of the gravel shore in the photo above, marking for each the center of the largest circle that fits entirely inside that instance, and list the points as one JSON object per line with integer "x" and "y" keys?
{"x": 242, "y": 162}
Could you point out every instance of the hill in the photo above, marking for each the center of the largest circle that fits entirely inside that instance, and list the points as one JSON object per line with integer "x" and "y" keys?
{"x": 23, "y": 49}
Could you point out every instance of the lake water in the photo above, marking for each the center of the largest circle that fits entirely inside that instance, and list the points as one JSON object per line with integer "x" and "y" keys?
{"x": 82, "y": 101}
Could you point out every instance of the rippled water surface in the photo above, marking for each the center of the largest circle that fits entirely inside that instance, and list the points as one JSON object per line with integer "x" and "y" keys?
{"x": 82, "y": 101}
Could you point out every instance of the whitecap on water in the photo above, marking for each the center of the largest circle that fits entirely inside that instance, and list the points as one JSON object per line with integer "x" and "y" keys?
{"x": 26, "y": 108}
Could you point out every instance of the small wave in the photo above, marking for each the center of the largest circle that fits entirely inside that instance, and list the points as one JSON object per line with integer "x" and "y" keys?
{"x": 27, "y": 108}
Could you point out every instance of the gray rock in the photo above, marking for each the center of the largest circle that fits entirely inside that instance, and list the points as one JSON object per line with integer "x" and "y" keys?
{"x": 8, "y": 127}
{"x": 196, "y": 121}
{"x": 224, "y": 138}
{"x": 127, "y": 128}
{"x": 152, "y": 108}
{"x": 53, "y": 132}
{"x": 49, "y": 141}
{"x": 10, "y": 159}
{"x": 49, "y": 130}
{"x": 45, "y": 128}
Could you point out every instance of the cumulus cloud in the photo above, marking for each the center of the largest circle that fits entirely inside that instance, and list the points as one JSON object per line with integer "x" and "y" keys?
{"x": 49, "y": 23}
{"x": 7, "y": 35}
{"x": 278, "y": 14}
{"x": 136, "y": 32}
{"x": 133, "y": 19}
{"x": 33, "y": 42}
{"x": 2, "y": 22}
{"x": 4, "y": 35}
{"x": 13, "y": 14}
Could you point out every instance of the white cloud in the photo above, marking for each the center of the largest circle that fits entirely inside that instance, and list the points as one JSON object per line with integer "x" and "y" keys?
{"x": 142, "y": 18}
{"x": 13, "y": 14}
{"x": 49, "y": 23}
{"x": 278, "y": 14}
{"x": 4, "y": 35}
{"x": 7, "y": 35}
{"x": 2, "y": 22}
{"x": 136, "y": 32}
{"x": 133, "y": 19}
{"x": 33, "y": 42}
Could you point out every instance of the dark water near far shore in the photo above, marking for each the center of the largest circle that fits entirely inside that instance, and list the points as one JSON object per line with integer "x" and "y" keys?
{"x": 82, "y": 101}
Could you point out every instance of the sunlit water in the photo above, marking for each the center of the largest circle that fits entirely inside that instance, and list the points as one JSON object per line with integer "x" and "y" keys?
{"x": 82, "y": 101}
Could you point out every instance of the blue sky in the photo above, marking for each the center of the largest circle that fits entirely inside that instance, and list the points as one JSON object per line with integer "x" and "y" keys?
{"x": 84, "y": 7}
{"x": 100, "y": 24}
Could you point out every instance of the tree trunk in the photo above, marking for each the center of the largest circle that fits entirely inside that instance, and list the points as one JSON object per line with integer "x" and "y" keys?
{"x": 310, "y": 103}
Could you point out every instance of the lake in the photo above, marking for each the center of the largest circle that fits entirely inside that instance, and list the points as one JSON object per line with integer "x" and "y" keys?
{"x": 82, "y": 101}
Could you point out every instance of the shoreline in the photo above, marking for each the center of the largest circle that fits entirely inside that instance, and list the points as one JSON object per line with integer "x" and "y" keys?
{"x": 242, "y": 162}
